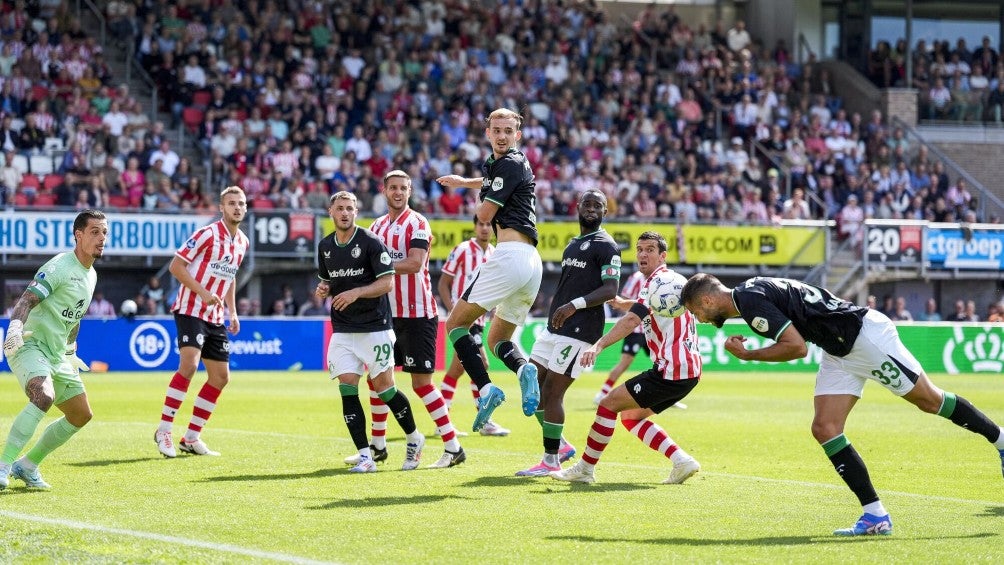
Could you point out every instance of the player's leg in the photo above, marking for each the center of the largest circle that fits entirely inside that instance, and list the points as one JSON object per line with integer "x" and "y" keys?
{"x": 355, "y": 420}
{"x": 379, "y": 412}
{"x": 449, "y": 385}
{"x": 458, "y": 331}
{"x": 216, "y": 358}
{"x": 190, "y": 352}
{"x": 625, "y": 361}
{"x": 32, "y": 371}
{"x": 71, "y": 399}
{"x": 398, "y": 403}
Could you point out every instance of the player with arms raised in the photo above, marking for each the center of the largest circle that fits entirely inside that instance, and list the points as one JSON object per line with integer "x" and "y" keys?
{"x": 206, "y": 266}
{"x": 510, "y": 279}
{"x": 357, "y": 272}
{"x": 675, "y": 372}
{"x": 41, "y": 349}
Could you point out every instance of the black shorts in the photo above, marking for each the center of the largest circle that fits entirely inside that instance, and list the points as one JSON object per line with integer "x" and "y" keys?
{"x": 634, "y": 343}
{"x": 415, "y": 347}
{"x": 210, "y": 339}
{"x": 651, "y": 390}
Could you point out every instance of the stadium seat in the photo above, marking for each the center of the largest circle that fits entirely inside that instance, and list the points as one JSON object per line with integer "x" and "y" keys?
{"x": 54, "y": 144}
{"x": 201, "y": 99}
{"x": 118, "y": 201}
{"x": 51, "y": 182}
{"x": 193, "y": 118}
{"x": 43, "y": 199}
{"x": 21, "y": 199}
{"x": 41, "y": 165}
{"x": 30, "y": 181}
{"x": 39, "y": 92}
{"x": 21, "y": 164}
{"x": 262, "y": 203}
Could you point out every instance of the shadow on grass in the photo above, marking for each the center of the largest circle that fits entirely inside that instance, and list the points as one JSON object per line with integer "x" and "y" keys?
{"x": 765, "y": 541}
{"x": 110, "y": 462}
{"x": 386, "y": 501}
{"x": 318, "y": 474}
{"x": 993, "y": 511}
{"x": 495, "y": 481}
{"x": 563, "y": 487}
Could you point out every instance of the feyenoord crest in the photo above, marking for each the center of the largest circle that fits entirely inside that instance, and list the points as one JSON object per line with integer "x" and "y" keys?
{"x": 584, "y": 246}
{"x": 356, "y": 252}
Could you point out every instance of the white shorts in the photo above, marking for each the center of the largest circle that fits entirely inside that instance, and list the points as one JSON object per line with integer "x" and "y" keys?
{"x": 559, "y": 354}
{"x": 352, "y": 353}
{"x": 878, "y": 354}
{"x": 508, "y": 281}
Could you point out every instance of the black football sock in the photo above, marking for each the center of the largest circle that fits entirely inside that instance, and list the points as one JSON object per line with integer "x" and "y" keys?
{"x": 506, "y": 351}
{"x": 470, "y": 356}
{"x": 355, "y": 417}
{"x": 851, "y": 468}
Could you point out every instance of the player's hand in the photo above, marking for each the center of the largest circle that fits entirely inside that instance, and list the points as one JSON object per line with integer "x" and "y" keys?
{"x": 588, "y": 357}
{"x": 456, "y": 181}
{"x": 322, "y": 289}
{"x": 734, "y": 345}
{"x": 621, "y": 303}
{"x": 76, "y": 362}
{"x": 211, "y": 300}
{"x": 15, "y": 338}
{"x": 563, "y": 313}
{"x": 344, "y": 299}
{"x": 235, "y": 324}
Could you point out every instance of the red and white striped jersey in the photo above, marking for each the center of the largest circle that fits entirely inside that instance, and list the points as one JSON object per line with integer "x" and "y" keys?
{"x": 412, "y": 296}
{"x": 463, "y": 263}
{"x": 213, "y": 258}
{"x": 671, "y": 341}
{"x": 631, "y": 290}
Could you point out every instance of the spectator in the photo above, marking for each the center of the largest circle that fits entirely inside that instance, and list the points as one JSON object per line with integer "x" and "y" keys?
{"x": 931, "y": 313}
{"x": 100, "y": 306}
{"x": 971, "y": 315}
{"x": 738, "y": 38}
{"x": 796, "y": 208}
{"x": 314, "y": 306}
{"x": 851, "y": 221}
{"x": 154, "y": 296}
{"x": 995, "y": 313}
{"x": 900, "y": 313}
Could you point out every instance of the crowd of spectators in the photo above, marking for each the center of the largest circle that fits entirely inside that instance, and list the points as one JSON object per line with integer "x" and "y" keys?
{"x": 295, "y": 102}
{"x": 954, "y": 82}
{"x": 965, "y": 310}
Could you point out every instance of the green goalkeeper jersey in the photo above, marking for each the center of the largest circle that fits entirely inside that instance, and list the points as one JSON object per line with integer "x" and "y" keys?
{"x": 65, "y": 288}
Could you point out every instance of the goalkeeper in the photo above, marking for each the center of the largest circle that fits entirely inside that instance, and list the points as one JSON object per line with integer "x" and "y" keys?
{"x": 40, "y": 347}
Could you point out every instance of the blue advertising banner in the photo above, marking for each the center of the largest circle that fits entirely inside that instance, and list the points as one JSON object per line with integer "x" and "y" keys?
{"x": 150, "y": 344}
{"x": 969, "y": 248}
{"x": 128, "y": 234}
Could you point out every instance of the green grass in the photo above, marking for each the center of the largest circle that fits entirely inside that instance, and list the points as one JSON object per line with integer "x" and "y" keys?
{"x": 766, "y": 492}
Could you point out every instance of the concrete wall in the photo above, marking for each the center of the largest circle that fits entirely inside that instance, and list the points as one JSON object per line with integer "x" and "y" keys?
{"x": 771, "y": 20}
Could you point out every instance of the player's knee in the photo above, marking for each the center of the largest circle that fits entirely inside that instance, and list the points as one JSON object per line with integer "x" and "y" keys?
{"x": 824, "y": 431}
{"x": 42, "y": 401}
{"x": 81, "y": 419}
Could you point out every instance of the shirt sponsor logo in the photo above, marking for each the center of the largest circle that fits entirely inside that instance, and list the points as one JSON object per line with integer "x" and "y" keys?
{"x": 346, "y": 272}
{"x": 573, "y": 263}
{"x": 420, "y": 234}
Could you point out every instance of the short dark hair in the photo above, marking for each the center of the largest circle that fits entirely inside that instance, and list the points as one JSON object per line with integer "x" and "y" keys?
{"x": 698, "y": 285}
{"x": 85, "y": 216}
{"x": 656, "y": 237}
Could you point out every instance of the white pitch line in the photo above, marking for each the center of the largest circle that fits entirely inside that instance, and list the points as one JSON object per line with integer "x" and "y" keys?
{"x": 833, "y": 486}
{"x": 185, "y": 542}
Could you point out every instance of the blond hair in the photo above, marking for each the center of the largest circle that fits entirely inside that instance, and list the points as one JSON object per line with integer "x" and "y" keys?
{"x": 502, "y": 114}
{"x": 231, "y": 190}
{"x": 396, "y": 173}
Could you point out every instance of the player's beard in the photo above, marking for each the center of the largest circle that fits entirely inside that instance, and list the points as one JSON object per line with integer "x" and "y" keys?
{"x": 719, "y": 320}
{"x": 590, "y": 225}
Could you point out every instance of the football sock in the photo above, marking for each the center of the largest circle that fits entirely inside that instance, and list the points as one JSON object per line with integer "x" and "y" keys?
{"x": 365, "y": 452}
{"x": 652, "y": 435}
{"x": 851, "y": 468}
{"x": 470, "y": 356}
{"x": 448, "y": 388}
{"x": 963, "y": 414}
{"x": 355, "y": 418}
{"x": 999, "y": 444}
{"x": 475, "y": 393}
{"x": 379, "y": 412}
{"x": 876, "y": 508}
{"x": 436, "y": 406}
{"x": 400, "y": 407}
{"x": 21, "y": 431}
{"x": 176, "y": 391}
{"x": 205, "y": 403}
{"x": 506, "y": 352}
{"x": 539, "y": 415}
{"x": 552, "y": 437}
{"x": 599, "y": 434}
{"x": 608, "y": 386}
{"x": 55, "y": 434}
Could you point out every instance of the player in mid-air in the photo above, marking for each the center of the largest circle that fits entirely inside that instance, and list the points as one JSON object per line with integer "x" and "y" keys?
{"x": 41, "y": 349}
{"x": 407, "y": 236}
{"x": 858, "y": 343}
{"x": 206, "y": 268}
{"x": 356, "y": 271}
{"x": 458, "y": 271}
{"x": 510, "y": 279}
{"x": 675, "y": 372}
{"x": 590, "y": 274}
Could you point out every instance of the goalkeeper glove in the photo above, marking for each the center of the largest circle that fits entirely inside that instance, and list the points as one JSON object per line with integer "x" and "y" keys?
{"x": 15, "y": 338}
{"x": 76, "y": 362}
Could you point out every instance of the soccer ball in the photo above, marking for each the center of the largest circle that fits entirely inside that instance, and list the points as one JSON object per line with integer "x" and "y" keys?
{"x": 129, "y": 307}
{"x": 664, "y": 295}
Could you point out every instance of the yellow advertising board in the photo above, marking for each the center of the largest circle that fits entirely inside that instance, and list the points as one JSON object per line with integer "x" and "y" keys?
{"x": 702, "y": 244}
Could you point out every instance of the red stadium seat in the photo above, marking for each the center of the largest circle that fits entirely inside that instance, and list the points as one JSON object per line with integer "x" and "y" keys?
{"x": 21, "y": 199}
{"x": 193, "y": 118}
{"x": 201, "y": 99}
{"x": 51, "y": 182}
{"x": 118, "y": 201}
{"x": 43, "y": 199}
{"x": 262, "y": 203}
{"x": 30, "y": 181}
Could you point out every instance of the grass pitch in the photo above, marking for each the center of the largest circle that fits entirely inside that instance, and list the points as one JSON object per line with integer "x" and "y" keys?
{"x": 280, "y": 492}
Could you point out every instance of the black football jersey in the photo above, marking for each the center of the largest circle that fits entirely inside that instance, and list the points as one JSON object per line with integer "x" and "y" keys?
{"x": 508, "y": 182}
{"x": 769, "y": 305}
{"x": 588, "y": 261}
{"x": 357, "y": 263}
